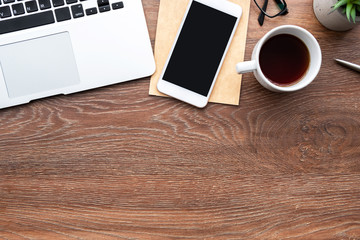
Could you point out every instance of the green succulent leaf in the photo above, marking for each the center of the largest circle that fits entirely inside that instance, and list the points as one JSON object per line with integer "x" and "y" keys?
{"x": 349, "y": 7}
{"x": 340, "y": 3}
{"x": 353, "y": 13}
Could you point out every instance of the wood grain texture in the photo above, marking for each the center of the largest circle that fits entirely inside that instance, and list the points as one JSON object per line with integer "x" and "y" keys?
{"x": 115, "y": 163}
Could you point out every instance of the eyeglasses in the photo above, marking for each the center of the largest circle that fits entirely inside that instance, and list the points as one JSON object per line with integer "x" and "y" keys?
{"x": 273, "y": 12}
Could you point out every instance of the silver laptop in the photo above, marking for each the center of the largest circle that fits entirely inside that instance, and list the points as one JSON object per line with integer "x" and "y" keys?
{"x": 51, "y": 47}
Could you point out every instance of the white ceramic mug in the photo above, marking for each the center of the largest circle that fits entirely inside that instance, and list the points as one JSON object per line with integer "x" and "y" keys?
{"x": 314, "y": 65}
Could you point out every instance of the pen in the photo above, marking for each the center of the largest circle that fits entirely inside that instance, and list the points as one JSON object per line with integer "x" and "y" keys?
{"x": 348, "y": 65}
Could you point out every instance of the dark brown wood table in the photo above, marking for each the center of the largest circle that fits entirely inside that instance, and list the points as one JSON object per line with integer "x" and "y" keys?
{"x": 116, "y": 163}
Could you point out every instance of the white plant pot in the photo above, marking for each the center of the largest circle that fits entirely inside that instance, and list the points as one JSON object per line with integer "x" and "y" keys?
{"x": 333, "y": 20}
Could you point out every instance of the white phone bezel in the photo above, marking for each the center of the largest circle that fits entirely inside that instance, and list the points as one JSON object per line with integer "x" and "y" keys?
{"x": 187, "y": 95}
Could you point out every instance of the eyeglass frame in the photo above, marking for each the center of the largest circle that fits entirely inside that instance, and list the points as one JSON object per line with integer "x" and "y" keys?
{"x": 283, "y": 10}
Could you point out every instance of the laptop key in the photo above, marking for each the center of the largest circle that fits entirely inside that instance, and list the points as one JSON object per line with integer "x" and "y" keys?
{"x": 18, "y": 9}
{"x": 117, "y": 5}
{"x": 77, "y": 11}
{"x": 71, "y": 1}
{"x": 5, "y": 12}
{"x": 58, "y": 3}
{"x": 8, "y": 1}
{"x": 91, "y": 11}
{"x": 31, "y": 6}
{"x": 44, "y": 4}
{"x": 24, "y": 22}
{"x": 103, "y": 2}
{"x": 62, "y": 14}
{"x": 104, "y": 8}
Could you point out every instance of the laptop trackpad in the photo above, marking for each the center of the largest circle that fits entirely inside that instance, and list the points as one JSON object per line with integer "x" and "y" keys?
{"x": 38, "y": 65}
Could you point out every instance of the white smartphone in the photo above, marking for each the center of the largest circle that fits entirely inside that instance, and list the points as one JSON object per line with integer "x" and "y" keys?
{"x": 199, "y": 50}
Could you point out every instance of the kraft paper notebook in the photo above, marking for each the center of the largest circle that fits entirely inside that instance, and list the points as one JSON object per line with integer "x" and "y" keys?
{"x": 228, "y": 85}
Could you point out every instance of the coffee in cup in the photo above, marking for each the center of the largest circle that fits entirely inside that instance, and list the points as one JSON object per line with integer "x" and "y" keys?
{"x": 286, "y": 59}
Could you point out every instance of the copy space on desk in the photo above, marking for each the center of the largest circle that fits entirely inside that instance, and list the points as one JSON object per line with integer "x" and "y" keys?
{"x": 228, "y": 84}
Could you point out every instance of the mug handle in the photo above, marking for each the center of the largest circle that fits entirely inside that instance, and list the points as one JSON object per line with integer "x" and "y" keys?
{"x": 245, "y": 67}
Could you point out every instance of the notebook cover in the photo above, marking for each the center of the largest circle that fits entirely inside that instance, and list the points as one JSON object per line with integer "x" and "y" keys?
{"x": 228, "y": 84}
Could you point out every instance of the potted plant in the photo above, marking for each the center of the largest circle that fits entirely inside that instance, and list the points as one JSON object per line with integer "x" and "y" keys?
{"x": 337, "y": 15}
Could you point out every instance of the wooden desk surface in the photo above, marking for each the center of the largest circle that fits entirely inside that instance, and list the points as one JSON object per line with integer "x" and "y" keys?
{"x": 115, "y": 163}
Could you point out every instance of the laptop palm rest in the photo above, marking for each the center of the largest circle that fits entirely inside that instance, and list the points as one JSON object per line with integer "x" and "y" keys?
{"x": 40, "y": 65}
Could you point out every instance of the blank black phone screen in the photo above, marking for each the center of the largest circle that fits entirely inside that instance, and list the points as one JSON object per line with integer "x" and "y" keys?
{"x": 199, "y": 49}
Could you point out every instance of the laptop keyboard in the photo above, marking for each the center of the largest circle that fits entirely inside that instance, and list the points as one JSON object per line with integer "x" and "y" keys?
{"x": 16, "y": 15}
